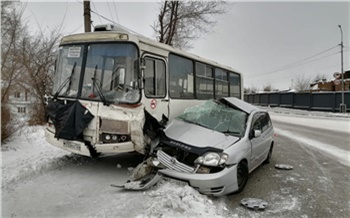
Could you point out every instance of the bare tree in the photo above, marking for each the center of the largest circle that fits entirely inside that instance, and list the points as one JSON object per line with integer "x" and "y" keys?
{"x": 11, "y": 33}
{"x": 267, "y": 88}
{"x": 254, "y": 89}
{"x": 320, "y": 77}
{"x": 302, "y": 83}
{"x": 27, "y": 59}
{"x": 38, "y": 59}
{"x": 180, "y": 22}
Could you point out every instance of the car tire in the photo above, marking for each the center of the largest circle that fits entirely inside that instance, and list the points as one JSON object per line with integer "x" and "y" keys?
{"x": 242, "y": 176}
{"x": 268, "y": 158}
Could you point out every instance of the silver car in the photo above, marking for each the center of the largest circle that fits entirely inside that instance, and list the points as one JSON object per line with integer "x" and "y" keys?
{"x": 214, "y": 146}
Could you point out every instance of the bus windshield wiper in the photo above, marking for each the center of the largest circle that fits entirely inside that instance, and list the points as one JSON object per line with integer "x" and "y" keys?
{"x": 69, "y": 79}
{"x": 98, "y": 88}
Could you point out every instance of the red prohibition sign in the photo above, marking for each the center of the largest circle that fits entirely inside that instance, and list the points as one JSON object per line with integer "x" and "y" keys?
{"x": 153, "y": 103}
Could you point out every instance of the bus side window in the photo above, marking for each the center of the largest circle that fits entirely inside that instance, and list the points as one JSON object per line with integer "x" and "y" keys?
{"x": 181, "y": 77}
{"x": 235, "y": 84}
{"x": 204, "y": 81}
{"x": 154, "y": 78}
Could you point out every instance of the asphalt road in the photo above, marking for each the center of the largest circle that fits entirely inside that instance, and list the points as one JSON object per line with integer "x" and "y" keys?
{"x": 318, "y": 186}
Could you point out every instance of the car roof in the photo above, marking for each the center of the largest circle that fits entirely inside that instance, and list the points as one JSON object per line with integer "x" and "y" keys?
{"x": 241, "y": 105}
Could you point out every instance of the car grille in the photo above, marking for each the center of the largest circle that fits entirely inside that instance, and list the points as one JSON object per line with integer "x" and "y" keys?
{"x": 173, "y": 163}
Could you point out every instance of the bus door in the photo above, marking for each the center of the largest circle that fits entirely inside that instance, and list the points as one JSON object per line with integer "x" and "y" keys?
{"x": 155, "y": 98}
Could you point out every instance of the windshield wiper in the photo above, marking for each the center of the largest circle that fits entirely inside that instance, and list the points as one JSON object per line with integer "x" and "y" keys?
{"x": 98, "y": 88}
{"x": 69, "y": 79}
{"x": 231, "y": 132}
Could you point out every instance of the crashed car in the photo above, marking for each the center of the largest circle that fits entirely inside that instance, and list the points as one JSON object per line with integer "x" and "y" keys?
{"x": 213, "y": 147}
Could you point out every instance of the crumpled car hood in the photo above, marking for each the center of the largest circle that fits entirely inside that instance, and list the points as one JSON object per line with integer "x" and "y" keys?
{"x": 198, "y": 136}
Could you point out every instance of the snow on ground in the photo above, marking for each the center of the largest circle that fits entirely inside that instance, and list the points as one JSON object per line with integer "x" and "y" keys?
{"x": 173, "y": 198}
{"x": 321, "y": 120}
{"x": 28, "y": 154}
{"x": 341, "y": 155}
{"x": 307, "y": 113}
{"x": 328, "y": 123}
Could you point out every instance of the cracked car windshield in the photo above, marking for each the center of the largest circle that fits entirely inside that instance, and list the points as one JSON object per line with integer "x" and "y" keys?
{"x": 111, "y": 72}
{"x": 216, "y": 116}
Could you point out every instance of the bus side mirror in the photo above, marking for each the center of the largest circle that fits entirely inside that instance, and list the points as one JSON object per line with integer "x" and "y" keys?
{"x": 142, "y": 72}
{"x": 142, "y": 63}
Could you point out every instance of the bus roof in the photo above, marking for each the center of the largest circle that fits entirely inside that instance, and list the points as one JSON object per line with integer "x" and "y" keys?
{"x": 108, "y": 36}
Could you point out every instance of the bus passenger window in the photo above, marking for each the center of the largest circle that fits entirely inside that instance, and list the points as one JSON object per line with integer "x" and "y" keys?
{"x": 154, "y": 78}
{"x": 235, "y": 84}
{"x": 204, "y": 81}
{"x": 181, "y": 77}
{"x": 221, "y": 83}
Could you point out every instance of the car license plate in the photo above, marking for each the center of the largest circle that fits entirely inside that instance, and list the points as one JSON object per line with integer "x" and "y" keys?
{"x": 71, "y": 145}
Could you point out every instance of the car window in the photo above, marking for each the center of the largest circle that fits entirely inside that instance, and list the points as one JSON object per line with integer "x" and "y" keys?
{"x": 264, "y": 122}
{"x": 257, "y": 124}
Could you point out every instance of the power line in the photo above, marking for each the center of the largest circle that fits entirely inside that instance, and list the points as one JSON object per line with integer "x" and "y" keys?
{"x": 116, "y": 12}
{"x": 99, "y": 14}
{"x": 96, "y": 10}
{"x": 109, "y": 8}
{"x": 297, "y": 62}
{"x": 76, "y": 29}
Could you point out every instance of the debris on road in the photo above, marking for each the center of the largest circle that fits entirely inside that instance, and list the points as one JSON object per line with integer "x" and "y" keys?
{"x": 283, "y": 167}
{"x": 254, "y": 203}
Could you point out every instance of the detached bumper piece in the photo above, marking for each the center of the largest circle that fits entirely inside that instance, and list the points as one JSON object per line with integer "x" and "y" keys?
{"x": 146, "y": 183}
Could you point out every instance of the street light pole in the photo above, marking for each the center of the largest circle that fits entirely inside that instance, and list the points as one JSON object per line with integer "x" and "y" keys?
{"x": 342, "y": 105}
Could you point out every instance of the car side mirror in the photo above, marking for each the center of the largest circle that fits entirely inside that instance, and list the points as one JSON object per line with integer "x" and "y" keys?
{"x": 257, "y": 133}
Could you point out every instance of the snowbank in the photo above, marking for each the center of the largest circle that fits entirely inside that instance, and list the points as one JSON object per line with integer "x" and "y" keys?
{"x": 172, "y": 198}
{"x": 327, "y": 123}
{"x": 305, "y": 113}
{"x": 28, "y": 154}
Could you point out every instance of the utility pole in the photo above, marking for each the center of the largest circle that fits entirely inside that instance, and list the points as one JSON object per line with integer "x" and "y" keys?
{"x": 87, "y": 16}
{"x": 342, "y": 105}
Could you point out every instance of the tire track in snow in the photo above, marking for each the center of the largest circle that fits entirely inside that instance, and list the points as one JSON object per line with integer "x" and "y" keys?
{"x": 341, "y": 155}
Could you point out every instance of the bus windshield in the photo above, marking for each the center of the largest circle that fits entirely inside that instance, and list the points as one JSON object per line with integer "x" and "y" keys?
{"x": 110, "y": 72}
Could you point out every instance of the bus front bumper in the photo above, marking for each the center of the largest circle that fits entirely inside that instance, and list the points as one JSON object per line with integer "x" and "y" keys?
{"x": 78, "y": 147}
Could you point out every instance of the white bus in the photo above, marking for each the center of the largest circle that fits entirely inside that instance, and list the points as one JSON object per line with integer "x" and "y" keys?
{"x": 110, "y": 87}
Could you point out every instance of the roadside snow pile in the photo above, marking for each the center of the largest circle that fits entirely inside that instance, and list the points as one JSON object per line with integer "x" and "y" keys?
{"x": 28, "y": 153}
{"x": 177, "y": 199}
{"x": 281, "y": 110}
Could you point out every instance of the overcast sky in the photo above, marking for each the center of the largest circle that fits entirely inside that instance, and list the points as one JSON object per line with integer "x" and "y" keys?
{"x": 255, "y": 38}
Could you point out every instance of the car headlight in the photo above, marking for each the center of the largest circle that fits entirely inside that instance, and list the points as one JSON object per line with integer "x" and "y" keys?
{"x": 212, "y": 159}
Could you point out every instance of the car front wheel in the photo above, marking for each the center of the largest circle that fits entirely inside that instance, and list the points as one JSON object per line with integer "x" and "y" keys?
{"x": 242, "y": 176}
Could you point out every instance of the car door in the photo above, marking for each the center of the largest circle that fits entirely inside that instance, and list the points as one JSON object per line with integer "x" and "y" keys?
{"x": 259, "y": 143}
{"x": 266, "y": 135}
